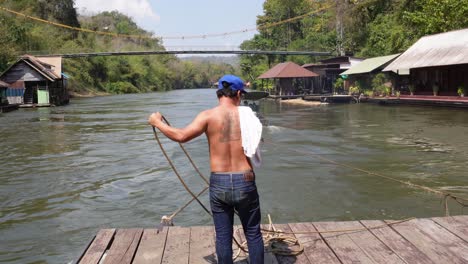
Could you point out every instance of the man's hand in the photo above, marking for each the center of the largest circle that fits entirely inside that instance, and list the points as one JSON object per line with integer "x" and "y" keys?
{"x": 155, "y": 119}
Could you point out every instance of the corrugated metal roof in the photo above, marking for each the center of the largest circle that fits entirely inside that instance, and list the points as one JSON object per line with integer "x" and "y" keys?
{"x": 448, "y": 48}
{"x": 41, "y": 66}
{"x": 287, "y": 70}
{"x": 340, "y": 59}
{"x": 314, "y": 64}
{"x": 369, "y": 65}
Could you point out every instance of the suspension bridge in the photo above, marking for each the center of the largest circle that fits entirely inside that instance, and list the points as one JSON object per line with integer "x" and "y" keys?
{"x": 186, "y": 51}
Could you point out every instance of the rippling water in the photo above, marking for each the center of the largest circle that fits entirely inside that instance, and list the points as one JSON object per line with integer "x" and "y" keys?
{"x": 68, "y": 171}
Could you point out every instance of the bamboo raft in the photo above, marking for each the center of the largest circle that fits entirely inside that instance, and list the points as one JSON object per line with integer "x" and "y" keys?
{"x": 430, "y": 240}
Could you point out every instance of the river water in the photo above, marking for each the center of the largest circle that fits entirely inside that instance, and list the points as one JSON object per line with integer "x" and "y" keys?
{"x": 68, "y": 171}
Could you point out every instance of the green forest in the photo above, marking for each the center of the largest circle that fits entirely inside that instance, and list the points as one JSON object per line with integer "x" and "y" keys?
{"x": 362, "y": 28}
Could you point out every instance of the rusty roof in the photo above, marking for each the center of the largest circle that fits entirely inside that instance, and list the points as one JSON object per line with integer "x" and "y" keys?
{"x": 41, "y": 67}
{"x": 287, "y": 70}
{"x": 45, "y": 68}
{"x": 449, "y": 48}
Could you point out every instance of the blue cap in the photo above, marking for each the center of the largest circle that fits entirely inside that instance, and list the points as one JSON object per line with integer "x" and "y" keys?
{"x": 231, "y": 81}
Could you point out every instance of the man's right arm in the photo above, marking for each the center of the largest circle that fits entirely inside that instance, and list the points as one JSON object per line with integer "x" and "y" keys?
{"x": 193, "y": 130}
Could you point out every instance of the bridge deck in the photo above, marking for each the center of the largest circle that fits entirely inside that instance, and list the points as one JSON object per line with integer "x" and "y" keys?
{"x": 433, "y": 240}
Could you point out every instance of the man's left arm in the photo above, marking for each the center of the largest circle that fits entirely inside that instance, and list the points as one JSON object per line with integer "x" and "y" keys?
{"x": 193, "y": 130}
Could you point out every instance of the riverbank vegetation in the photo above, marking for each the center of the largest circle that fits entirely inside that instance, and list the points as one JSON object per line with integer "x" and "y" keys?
{"x": 97, "y": 75}
{"x": 361, "y": 28}
{"x": 365, "y": 28}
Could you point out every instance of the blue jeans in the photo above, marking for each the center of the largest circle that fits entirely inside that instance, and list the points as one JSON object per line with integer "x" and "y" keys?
{"x": 236, "y": 191}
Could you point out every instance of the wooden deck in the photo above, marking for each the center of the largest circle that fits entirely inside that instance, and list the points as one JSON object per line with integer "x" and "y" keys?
{"x": 330, "y": 98}
{"x": 432, "y": 240}
{"x": 424, "y": 100}
{"x": 8, "y": 108}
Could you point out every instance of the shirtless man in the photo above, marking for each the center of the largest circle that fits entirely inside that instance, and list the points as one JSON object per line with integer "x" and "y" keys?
{"x": 232, "y": 181}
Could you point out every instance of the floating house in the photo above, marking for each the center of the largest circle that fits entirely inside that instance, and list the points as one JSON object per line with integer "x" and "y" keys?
{"x": 365, "y": 71}
{"x": 438, "y": 64}
{"x": 284, "y": 74}
{"x": 329, "y": 70}
{"x": 35, "y": 81}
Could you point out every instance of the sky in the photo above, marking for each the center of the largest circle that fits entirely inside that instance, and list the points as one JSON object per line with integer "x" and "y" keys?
{"x": 180, "y": 18}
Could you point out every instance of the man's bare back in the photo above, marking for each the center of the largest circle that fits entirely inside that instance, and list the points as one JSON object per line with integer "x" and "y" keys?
{"x": 225, "y": 141}
{"x": 222, "y": 127}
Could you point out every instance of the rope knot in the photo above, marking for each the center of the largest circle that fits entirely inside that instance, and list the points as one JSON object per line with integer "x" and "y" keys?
{"x": 167, "y": 220}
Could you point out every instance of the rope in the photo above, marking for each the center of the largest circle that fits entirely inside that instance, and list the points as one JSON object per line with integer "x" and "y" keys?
{"x": 276, "y": 240}
{"x": 190, "y": 158}
{"x": 204, "y": 36}
{"x": 177, "y": 173}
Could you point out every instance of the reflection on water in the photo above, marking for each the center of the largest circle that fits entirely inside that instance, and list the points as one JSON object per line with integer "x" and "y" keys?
{"x": 68, "y": 171}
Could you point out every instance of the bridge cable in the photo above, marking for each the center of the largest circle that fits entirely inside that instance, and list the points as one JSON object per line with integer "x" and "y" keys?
{"x": 264, "y": 26}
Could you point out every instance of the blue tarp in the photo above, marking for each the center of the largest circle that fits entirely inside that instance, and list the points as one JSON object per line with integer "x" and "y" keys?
{"x": 14, "y": 92}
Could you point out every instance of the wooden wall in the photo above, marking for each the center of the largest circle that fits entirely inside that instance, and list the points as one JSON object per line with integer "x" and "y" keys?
{"x": 449, "y": 78}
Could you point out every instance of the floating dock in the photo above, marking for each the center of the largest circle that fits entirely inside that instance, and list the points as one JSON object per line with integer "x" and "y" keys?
{"x": 430, "y": 240}
{"x": 8, "y": 108}
{"x": 330, "y": 98}
{"x": 446, "y": 101}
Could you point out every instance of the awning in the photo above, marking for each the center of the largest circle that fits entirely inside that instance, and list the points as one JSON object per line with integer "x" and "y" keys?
{"x": 370, "y": 65}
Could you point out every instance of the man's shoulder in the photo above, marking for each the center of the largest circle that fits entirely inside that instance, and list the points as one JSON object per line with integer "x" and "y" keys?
{"x": 207, "y": 115}
{"x": 211, "y": 111}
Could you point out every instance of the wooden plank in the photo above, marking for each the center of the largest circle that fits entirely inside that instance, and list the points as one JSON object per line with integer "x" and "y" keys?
{"x": 371, "y": 245}
{"x": 202, "y": 245}
{"x": 301, "y": 258}
{"x": 433, "y": 240}
{"x": 124, "y": 246}
{"x": 177, "y": 245}
{"x": 239, "y": 235}
{"x": 151, "y": 248}
{"x": 461, "y": 218}
{"x": 456, "y": 227}
{"x": 98, "y": 247}
{"x": 316, "y": 250}
{"x": 270, "y": 258}
{"x": 343, "y": 246}
{"x": 407, "y": 251}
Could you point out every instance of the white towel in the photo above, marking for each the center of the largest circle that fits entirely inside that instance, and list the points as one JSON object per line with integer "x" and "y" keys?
{"x": 251, "y": 133}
